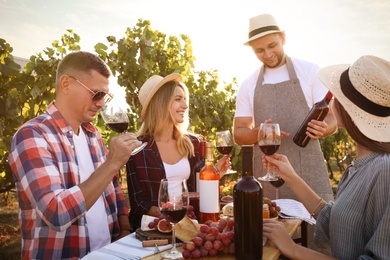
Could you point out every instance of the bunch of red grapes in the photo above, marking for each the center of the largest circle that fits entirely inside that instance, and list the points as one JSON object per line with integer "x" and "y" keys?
{"x": 190, "y": 213}
{"x": 214, "y": 238}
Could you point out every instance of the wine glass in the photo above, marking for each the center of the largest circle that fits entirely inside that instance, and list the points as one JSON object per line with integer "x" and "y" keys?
{"x": 117, "y": 120}
{"x": 173, "y": 201}
{"x": 269, "y": 140}
{"x": 277, "y": 184}
{"x": 224, "y": 143}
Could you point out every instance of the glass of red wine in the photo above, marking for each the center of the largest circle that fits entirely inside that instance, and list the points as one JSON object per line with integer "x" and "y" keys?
{"x": 173, "y": 201}
{"x": 277, "y": 184}
{"x": 224, "y": 143}
{"x": 269, "y": 140}
{"x": 117, "y": 120}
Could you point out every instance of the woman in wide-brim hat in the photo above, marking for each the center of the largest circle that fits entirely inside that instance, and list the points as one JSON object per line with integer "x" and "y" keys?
{"x": 165, "y": 102}
{"x": 357, "y": 224}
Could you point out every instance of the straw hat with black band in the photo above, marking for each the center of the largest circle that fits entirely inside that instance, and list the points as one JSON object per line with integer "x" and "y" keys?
{"x": 364, "y": 91}
{"x": 151, "y": 86}
{"x": 260, "y": 26}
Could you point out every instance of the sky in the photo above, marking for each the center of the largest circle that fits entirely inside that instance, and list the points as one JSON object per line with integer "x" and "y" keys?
{"x": 325, "y": 32}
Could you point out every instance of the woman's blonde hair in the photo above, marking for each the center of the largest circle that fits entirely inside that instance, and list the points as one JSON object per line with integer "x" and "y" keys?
{"x": 158, "y": 115}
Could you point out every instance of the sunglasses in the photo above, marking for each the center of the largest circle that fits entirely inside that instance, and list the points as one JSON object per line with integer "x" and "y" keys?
{"x": 98, "y": 95}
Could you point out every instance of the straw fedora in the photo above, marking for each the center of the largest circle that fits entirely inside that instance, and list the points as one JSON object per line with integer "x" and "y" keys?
{"x": 364, "y": 91}
{"x": 260, "y": 26}
{"x": 151, "y": 86}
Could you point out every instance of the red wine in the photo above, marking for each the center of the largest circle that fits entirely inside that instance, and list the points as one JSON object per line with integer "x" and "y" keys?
{"x": 225, "y": 149}
{"x": 277, "y": 183}
{"x": 248, "y": 211}
{"x": 118, "y": 127}
{"x": 269, "y": 149}
{"x": 317, "y": 112}
{"x": 174, "y": 216}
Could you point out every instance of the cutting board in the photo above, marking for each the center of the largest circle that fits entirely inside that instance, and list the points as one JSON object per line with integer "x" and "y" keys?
{"x": 153, "y": 234}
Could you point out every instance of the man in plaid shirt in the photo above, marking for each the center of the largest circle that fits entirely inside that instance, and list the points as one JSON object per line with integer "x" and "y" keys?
{"x": 70, "y": 200}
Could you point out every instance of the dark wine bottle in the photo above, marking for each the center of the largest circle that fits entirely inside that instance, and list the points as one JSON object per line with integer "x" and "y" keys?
{"x": 199, "y": 165}
{"x": 248, "y": 211}
{"x": 317, "y": 112}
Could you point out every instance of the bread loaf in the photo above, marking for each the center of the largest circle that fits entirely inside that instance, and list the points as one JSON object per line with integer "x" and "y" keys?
{"x": 186, "y": 229}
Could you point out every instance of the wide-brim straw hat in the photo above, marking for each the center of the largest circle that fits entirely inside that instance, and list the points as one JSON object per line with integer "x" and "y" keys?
{"x": 260, "y": 26}
{"x": 151, "y": 86}
{"x": 364, "y": 91}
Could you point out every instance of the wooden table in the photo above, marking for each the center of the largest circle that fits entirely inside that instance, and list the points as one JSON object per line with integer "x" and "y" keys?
{"x": 269, "y": 250}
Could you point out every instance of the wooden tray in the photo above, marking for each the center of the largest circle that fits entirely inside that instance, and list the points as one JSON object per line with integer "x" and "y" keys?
{"x": 153, "y": 234}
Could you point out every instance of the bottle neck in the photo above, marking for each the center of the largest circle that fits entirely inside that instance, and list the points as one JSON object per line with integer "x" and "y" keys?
{"x": 328, "y": 97}
{"x": 209, "y": 153}
{"x": 202, "y": 150}
{"x": 247, "y": 160}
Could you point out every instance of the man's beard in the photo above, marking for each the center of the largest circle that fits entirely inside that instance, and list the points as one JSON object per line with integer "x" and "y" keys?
{"x": 280, "y": 58}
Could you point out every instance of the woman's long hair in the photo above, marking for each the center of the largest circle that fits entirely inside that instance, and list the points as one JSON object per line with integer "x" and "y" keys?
{"x": 158, "y": 116}
{"x": 356, "y": 135}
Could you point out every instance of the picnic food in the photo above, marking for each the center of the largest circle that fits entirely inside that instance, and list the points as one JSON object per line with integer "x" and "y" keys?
{"x": 213, "y": 239}
{"x": 186, "y": 229}
{"x": 164, "y": 226}
{"x": 273, "y": 208}
{"x": 228, "y": 209}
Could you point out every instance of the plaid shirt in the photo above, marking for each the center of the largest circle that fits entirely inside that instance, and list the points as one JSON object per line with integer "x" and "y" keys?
{"x": 52, "y": 210}
{"x": 145, "y": 171}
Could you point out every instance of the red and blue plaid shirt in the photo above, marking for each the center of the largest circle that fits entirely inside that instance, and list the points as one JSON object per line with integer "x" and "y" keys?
{"x": 52, "y": 207}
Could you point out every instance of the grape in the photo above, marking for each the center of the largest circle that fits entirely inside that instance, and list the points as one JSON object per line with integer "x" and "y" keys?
{"x": 213, "y": 252}
{"x": 204, "y": 229}
{"x": 232, "y": 248}
{"x": 222, "y": 222}
{"x": 204, "y": 251}
{"x": 196, "y": 254}
{"x": 197, "y": 241}
{"x": 210, "y": 237}
{"x": 214, "y": 231}
{"x": 202, "y": 235}
{"x": 186, "y": 254}
{"x": 190, "y": 246}
{"x": 218, "y": 245}
{"x": 151, "y": 225}
{"x": 208, "y": 245}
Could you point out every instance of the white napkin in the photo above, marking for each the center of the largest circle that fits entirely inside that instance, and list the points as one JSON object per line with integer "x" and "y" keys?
{"x": 294, "y": 209}
{"x": 128, "y": 247}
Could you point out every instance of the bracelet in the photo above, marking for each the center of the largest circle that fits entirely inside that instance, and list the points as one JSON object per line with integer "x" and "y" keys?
{"x": 124, "y": 227}
{"x": 314, "y": 213}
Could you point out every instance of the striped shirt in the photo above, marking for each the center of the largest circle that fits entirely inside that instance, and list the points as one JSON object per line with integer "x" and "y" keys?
{"x": 357, "y": 224}
{"x": 51, "y": 205}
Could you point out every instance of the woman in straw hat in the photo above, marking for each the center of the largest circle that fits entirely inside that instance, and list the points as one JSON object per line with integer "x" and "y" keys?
{"x": 357, "y": 224}
{"x": 164, "y": 113}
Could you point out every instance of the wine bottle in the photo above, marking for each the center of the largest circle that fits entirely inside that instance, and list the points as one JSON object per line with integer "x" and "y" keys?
{"x": 199, "y": 165}
{"x": 317, "y": 112}
{"x": 248, "y": 211}
{"x": 209, "y": 189}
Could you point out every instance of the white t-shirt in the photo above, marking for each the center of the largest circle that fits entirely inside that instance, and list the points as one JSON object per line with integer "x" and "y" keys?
{"x": 99, "y": 233}
{"x": 313, "y": 89}
{"x": 178, "y": 171}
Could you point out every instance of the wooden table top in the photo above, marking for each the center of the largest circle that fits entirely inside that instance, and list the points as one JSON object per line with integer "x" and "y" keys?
{"x": 269, "y": 250}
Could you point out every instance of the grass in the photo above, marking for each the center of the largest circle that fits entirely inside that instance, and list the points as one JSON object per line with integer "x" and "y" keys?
{"x": 10, "y": 237}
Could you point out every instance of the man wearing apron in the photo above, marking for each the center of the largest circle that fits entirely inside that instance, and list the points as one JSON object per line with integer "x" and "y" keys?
{"x": 283, "y": 90}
